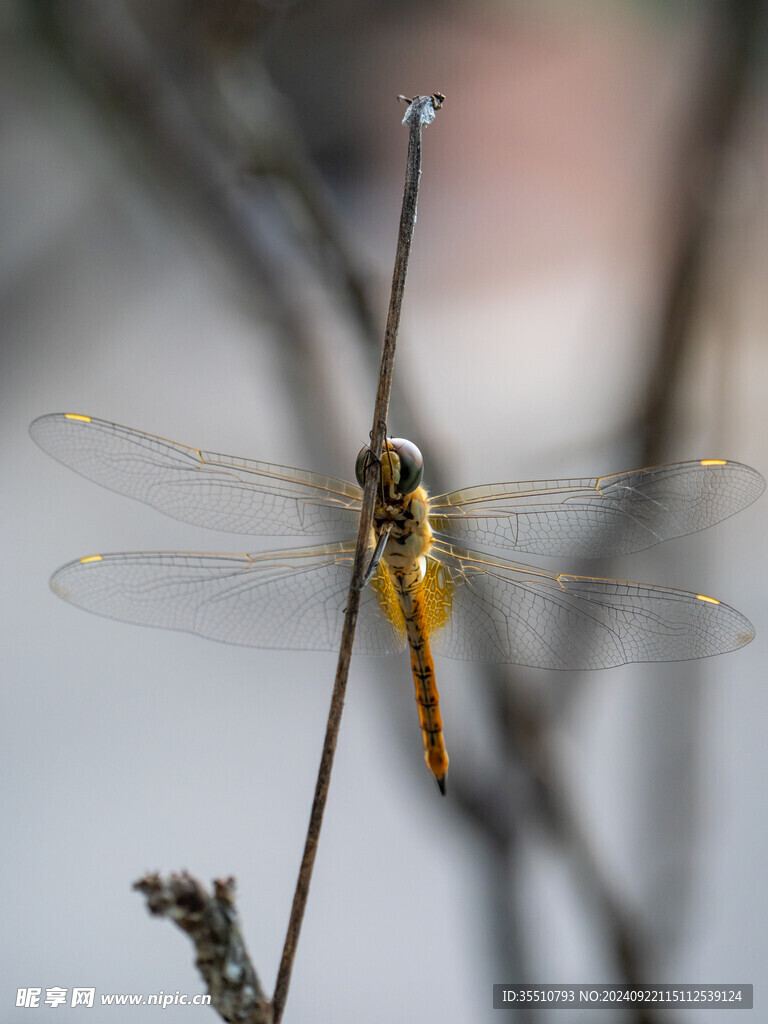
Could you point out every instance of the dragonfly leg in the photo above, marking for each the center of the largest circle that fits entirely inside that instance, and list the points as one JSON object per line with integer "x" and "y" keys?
{"x": 377, "y": 553}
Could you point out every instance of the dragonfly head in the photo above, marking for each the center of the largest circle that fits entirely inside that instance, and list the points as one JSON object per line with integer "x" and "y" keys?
{"x": 402, "y": 465}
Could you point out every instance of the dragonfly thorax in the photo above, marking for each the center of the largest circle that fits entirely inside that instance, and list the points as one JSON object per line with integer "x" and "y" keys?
{"x": 410, "y": 535}
{"x": 402, "y": 506}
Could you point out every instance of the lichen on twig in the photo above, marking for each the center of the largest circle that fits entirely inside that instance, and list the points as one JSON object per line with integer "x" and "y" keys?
{"x": 211, "y": 922}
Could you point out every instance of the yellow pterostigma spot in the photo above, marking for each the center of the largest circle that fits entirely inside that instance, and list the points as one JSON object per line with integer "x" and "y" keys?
{"x": 92, "y": 558}
{"x": 709, "y": 600}
{"x": 77, "y": 416}
{"x": 714, "y": 462}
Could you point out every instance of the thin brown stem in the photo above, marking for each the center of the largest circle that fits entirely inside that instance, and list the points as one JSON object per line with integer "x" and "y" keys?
{"x": 421, "y": 111}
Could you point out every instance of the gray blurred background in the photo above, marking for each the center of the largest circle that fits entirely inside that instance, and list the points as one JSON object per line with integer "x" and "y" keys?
{"x": 199, "y": 210}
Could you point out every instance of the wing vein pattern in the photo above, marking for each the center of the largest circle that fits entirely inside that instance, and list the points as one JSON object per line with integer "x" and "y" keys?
{"x": 220, "y": 492}
{"x": 597, "y": 517}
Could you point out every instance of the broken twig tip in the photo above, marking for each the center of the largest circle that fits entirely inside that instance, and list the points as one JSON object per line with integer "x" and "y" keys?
{"x": 211, "y": 922}
{"x": 421, "y": 109}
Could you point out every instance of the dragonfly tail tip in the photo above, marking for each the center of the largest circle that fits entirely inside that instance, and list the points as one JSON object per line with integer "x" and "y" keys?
{"x": 440, "y": 780}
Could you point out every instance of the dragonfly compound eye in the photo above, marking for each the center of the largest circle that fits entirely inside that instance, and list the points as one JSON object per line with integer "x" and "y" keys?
{"x": 411, "y": 464}
{"x": 361, "y": 464}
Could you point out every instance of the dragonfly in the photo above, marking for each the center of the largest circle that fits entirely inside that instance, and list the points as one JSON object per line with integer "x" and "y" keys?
{"x": 441, "y": 584}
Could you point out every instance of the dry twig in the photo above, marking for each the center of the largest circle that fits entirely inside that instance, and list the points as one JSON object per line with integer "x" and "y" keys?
{"x": 212, "y": 924}
{"x": 420, "y": 112}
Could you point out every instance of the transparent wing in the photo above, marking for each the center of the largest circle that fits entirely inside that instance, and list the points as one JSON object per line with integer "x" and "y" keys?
{"x": 503, "y": 612}
{"x": 203, "y": 488}
{"x": 609, "y": 515}
{"x": 280, "y": 599}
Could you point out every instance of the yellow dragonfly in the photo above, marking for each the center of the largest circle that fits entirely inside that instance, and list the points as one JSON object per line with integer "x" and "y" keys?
{"x": 428, "y": 591}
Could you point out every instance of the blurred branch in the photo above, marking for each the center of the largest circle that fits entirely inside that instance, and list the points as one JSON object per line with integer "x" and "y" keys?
{"x": 530, "y": 733}
{"x": 523, "y": 730}
{"x": 528, "y": 771}
{"x": 522, "y": 736}
{"x": 269, "y": 143}
{"x": 726, "y": 70}
{"x": 104, "y": 47}
{"x": 292, "y": 164}
{"x": 211, "y": 922}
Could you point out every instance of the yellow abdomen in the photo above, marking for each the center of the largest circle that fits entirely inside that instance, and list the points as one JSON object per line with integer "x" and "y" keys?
{"x": 412, "y": 602}
{"x": 406, "y": 584}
